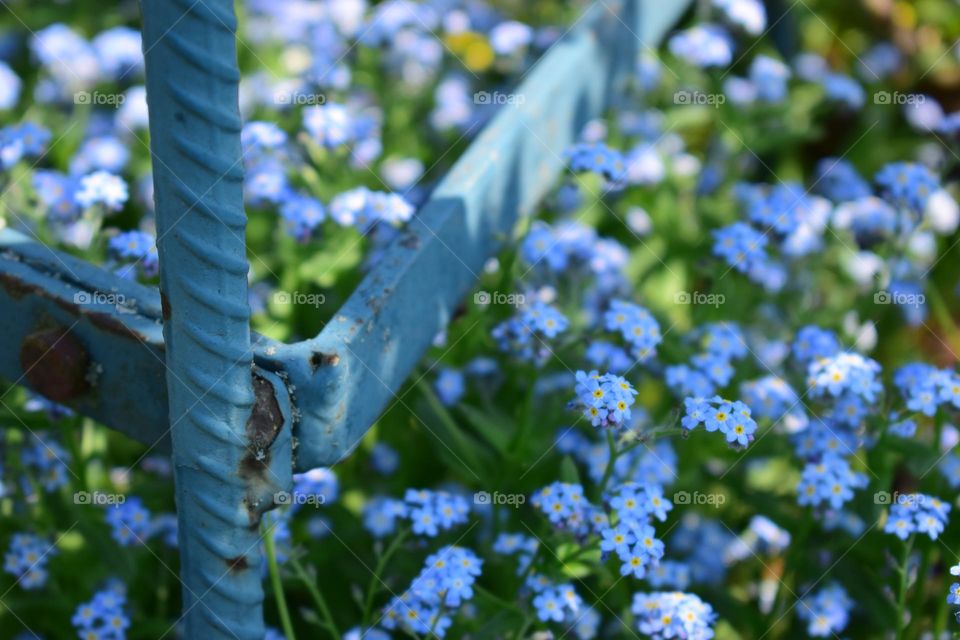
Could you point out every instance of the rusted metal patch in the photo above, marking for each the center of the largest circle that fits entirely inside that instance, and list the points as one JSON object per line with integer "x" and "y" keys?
{"x": 262, "y": 429}
{"x": 55, "y": 364}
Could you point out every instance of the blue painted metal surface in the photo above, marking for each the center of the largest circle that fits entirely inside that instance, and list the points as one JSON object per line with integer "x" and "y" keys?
{"x": 351, "y": 370}
{"x": 188, "y": 371}
{"x": 224, "y": 420}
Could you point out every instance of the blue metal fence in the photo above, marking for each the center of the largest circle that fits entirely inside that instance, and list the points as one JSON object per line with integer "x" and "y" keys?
{"x": 182, "y": 370}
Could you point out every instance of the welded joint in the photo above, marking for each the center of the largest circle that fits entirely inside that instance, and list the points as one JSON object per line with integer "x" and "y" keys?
{"x": 266, "y": 466}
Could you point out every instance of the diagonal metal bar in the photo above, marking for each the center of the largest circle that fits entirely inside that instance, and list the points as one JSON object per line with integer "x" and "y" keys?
{"x": 386, "y": 325}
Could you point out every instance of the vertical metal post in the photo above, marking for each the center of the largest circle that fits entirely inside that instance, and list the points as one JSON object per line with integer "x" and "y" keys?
{"x": 225, "y": 419}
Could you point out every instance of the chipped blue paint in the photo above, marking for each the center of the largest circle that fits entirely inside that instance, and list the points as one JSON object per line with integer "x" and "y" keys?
{"x": 190, "y": 374}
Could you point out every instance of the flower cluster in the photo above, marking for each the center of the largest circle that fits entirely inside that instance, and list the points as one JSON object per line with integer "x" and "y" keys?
{"x": 604, "y": 399}
{"x": 826, "y": 612}
{"x": 48, "y": 460}
{"x": 26, "y": 560}
{"x": 637, "y": 326}
{"x": 673, "y": 614}
{"x": 632, "y": 538}
{"x": 597, "y": 158}
{"x": 830, "y": 481}
{"x": 845, "y": 374}
{"x": 430, "y": 512}
{"x": 362, "y": 208}
{"x": 733, "y": 419}
{"x": 103, "y": 616}
{"x": 567, "y": 508}
{"x": 926, "y": 388}
{"x": 916, "y": 513}
{"x": 129, "y": 522}
{"x": 526, "y": 333}
{"x": 444, "y": 584}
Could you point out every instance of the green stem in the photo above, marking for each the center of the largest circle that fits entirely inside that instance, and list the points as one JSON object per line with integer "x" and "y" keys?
{"x": 318, "y": 598}
{"x": 374, "y": 586}
{"x": 942, "y": 312}
{"x": 902, "y": 592}
{"x": 608, "y": 472}
{"x": 274, "y": 568}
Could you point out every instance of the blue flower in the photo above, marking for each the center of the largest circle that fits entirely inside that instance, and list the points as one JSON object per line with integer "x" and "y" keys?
{"x": 362, "y": 208}
{"x": 826, "y": 612}
{"x": 138, "y": 246}
{"x": 433, "y": 511}
{"x": 129, "y": 521}
{"x": 449, "y": 386}
{"x": 525, "y": 333}
{"x": 597, "y": 158}
{"x": 770, "y": 78}
{"x": 843, "y": 89}
{"x": 749, "y": 15}
{"x": 733, "y": 419}
{"x": 604, "y": 399}
{"x": 104, "y": 188}
{"x": 636, "y": 325}
{"x": 330, "y": 125}
{"x": 830, "y": 481}
{"x": 916, "y": 513}
{"x": 814, "y": 343}
{"x": 705, "y": 45}
{"x": 26, "y": 559}
{"x": 380, "y": 515}
{"x": 673, "y": 614}
{"x": 103, "y": 616}
{"x": 302, "y": 214}
{"x": 384, "y": 459}
{"x": 839, "y": 180}
{"x": 907, "y": 184}
{"x": 845, "y": 373}
{"x": 443, "y": 585}
{"x": 741, "y": 246}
